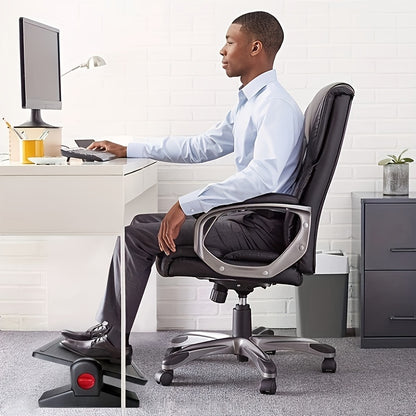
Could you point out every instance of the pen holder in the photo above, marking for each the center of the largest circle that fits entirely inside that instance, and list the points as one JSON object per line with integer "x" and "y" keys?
{"x": 30, "y": 148}
{"x": 51, "y": 145}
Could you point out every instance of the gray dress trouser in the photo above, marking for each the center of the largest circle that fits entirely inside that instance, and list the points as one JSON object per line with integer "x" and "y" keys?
{"x": 240, "y": 231}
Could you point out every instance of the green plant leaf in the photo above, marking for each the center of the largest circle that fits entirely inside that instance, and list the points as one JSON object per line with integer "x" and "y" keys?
{"x": 384, "y": 162}
{"x": 401, "y": 154}
{"x": 396, "y": 159}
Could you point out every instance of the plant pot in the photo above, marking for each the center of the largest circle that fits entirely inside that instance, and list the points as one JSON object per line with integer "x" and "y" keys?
{"x": 396, "y": 179}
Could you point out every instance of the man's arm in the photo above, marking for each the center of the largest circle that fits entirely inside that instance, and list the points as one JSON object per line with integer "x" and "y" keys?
{"x": 214, "y": 143}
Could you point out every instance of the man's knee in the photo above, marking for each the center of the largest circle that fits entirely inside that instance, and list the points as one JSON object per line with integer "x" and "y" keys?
{"x": 142, "y": 233}
{"x": 140, "y": 219}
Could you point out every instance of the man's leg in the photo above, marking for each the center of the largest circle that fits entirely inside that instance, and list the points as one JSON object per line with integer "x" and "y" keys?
{"x": 141, "y": 250}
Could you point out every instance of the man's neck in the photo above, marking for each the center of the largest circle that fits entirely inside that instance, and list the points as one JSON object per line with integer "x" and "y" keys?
{"x": 245, "y": 79}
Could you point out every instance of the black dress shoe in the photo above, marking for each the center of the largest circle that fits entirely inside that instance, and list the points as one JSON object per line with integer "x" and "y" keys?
{"x": 95, "y": 331}
{"x": 99, "y": 348}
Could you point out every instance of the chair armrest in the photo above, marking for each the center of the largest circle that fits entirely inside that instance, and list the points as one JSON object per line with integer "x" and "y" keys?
{"x": 294, "y": 251}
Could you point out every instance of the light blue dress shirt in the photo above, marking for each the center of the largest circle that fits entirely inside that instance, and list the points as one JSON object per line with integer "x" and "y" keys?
{"x": 264, "y": 131}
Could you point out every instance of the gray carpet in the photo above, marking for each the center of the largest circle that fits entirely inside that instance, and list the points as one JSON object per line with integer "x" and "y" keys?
{"x": 368, "y": 382}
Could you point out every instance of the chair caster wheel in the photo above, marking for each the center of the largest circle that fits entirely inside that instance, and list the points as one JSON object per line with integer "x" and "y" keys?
{"x": 164, "y": 377}
{"x": 329, "y": 365}
{"x": 268, "y": 386}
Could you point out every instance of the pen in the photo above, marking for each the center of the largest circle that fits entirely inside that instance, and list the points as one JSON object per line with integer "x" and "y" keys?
{"x": 12, "y": 128}
{"x": 44, "y": 134}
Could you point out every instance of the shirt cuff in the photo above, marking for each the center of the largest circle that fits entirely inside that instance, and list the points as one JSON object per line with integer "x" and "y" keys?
{"x": 190, "y": 203}
{"x": 136, "y": 149}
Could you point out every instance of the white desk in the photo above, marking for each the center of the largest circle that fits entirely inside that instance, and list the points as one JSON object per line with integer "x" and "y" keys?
{"x": 77, "y": 199}
{"x": 95, "y": 200}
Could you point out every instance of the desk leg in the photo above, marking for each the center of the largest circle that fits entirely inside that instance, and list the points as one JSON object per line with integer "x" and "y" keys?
{"x": 123, "y": 321}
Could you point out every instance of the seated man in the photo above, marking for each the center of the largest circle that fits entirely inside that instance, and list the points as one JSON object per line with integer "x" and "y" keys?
{"x": 264, "y": 130}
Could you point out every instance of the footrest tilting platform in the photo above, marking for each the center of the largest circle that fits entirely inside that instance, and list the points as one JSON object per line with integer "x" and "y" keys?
{"x": 87, "y": 388}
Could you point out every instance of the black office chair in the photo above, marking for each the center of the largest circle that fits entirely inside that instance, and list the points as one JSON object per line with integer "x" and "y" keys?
{"x": 242, "y": 271}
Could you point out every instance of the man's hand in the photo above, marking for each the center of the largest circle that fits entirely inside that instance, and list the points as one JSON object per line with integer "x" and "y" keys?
{"x": 169, "y": 229}
{"x": 114, "y": 148}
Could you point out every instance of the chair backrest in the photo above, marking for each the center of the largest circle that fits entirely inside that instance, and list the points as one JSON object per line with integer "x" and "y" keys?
{"x": 324, "y": 128}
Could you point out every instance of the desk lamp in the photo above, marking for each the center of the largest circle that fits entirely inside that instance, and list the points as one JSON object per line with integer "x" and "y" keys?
{"x": 92, "y": 62}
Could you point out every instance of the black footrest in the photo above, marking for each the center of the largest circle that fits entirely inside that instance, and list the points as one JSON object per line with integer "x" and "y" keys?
{"x": 55, "y": 353}
{"x": 87, "y": 388}
{"x": 109, "y": 396}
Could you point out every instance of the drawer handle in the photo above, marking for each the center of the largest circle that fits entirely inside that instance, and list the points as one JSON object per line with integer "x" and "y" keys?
{"x": 403, "y": 250}
{"x": 402, "y": 318}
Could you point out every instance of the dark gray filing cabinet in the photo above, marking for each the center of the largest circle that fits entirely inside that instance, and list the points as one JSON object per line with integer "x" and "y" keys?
{"x": 387, "y": 270}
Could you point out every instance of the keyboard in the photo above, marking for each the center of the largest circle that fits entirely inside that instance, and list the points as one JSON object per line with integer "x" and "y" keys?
{"x": 88, "y": 155}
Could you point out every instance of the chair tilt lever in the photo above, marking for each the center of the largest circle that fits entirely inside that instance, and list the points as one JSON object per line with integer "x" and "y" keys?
{"x": 218, "y": 293}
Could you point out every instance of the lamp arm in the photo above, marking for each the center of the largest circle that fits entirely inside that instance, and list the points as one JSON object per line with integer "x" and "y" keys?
{"x": 73, "y": 69}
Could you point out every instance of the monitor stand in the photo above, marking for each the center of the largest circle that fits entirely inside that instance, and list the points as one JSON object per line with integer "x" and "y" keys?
{"x": 36, "y": 121}
{"x": 87, "y": 388}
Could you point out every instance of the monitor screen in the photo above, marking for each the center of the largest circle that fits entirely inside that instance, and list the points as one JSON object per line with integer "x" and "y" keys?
{"x": 40, "y": 67}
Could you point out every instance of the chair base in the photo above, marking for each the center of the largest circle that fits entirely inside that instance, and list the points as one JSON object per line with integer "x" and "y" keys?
{"x": 257, "y": 349}
{"x": 255, "y": 346}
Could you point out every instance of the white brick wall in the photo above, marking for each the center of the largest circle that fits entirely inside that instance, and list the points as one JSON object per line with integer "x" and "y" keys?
{"x": 23, "y": 286}
{"x": 164, "y": 77}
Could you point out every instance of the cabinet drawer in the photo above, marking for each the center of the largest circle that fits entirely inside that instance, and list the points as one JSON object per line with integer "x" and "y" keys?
{"x": 390, "y": 304}
{"x": 390, "y": 237}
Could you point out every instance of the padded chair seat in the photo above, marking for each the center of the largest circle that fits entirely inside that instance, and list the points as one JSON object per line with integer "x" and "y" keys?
{"x": 250, "y": 257}
{"x": 184, "y": 262}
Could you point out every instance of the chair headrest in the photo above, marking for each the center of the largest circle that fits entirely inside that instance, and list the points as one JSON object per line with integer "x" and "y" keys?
{"x": 318, "y": 113}
{"x": 316, "y": 125}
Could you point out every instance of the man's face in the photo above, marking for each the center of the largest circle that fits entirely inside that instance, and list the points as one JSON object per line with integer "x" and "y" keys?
{"x": 236, "y": 52}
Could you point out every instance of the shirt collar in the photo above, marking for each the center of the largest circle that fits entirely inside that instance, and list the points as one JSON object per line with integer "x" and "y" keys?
{"x": 255, "y": 85}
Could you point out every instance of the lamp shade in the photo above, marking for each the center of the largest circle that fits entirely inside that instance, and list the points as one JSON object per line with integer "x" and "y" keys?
{"x": 94, "y": 61}
{"x": 91, "y": 62}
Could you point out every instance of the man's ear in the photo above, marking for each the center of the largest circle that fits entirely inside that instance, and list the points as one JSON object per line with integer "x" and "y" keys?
{"x": 256, "y": 47}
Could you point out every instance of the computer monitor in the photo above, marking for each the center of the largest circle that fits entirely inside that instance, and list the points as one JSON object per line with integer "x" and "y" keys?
{"x": 40, "y": 69}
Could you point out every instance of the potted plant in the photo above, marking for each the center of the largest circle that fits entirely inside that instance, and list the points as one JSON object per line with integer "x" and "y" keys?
{"x": 396, "y": 174}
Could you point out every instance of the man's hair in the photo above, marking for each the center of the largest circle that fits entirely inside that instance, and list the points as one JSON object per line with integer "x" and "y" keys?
{"x": 265, "y": 28}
